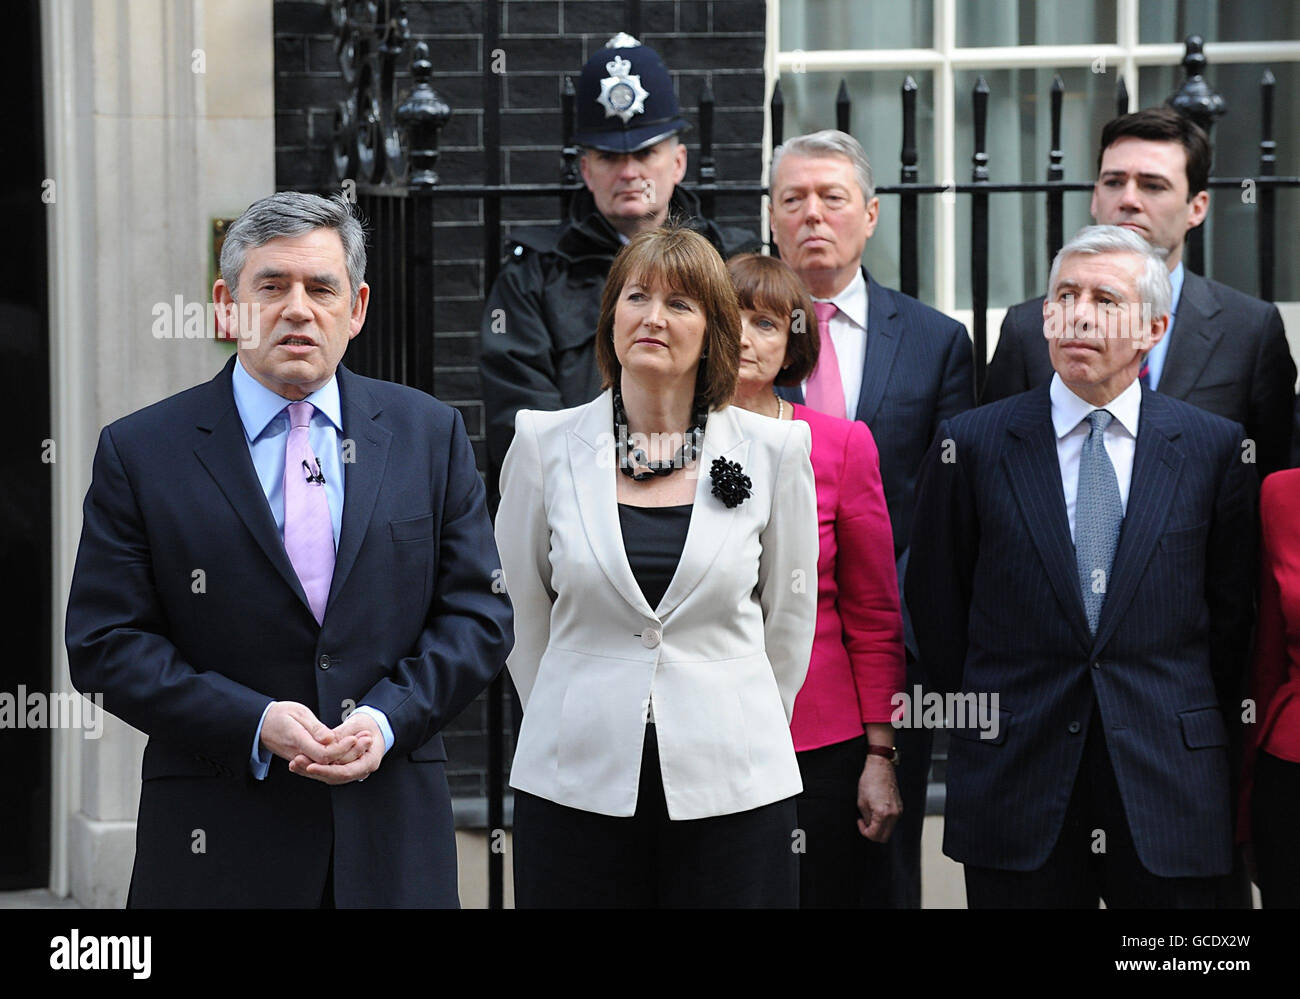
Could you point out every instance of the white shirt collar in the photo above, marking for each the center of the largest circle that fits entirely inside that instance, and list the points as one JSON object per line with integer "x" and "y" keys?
{"x": 852, "y": 301}
{"x": 1068, "y": 410}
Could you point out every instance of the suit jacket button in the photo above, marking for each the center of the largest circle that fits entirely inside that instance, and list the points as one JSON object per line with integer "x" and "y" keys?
{"x": 1096, "y": 664}
{"x": 1074, "y": 728}
{"x": 650, "y": 637}
{"x": 324, "y": 662}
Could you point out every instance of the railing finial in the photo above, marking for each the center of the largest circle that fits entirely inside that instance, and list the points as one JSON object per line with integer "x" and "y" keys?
{"x": 421, "y": 117}
{"x": 1195, "y": 98}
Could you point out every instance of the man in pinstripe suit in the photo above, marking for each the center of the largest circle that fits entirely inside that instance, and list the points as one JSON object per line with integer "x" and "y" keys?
{"x": 1083, "y": 553}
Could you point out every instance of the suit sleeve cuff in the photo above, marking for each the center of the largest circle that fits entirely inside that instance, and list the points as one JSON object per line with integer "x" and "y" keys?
{"x": 381, "y": 720}
{"x": 260, "y": 761}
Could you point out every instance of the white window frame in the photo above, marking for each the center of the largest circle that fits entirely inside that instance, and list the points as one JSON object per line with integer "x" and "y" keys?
{"x": 946, "y": 59}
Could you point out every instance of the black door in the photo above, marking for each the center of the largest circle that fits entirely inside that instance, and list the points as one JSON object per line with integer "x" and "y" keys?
{"x": 25, "y": 469}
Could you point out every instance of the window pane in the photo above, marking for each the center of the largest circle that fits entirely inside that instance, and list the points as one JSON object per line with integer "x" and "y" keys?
{"x": 1218, "y": 20}
{"x": 983, "y": 23}
{"x": 1018, "y": 141}
{"x": 1230, "y": 228}
{"x": 877, "y": 122}
{"x": 837, "y": 24}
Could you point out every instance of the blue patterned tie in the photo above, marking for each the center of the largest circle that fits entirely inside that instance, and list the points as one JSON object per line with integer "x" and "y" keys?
{"x": 1098, "y": 515}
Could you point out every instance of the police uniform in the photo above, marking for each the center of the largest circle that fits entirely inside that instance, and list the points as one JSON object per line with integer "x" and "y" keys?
{"x": 539, "y": 326}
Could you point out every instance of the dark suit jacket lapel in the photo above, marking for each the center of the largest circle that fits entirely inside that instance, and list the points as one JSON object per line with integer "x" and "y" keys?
{"x": 362, "y": 476}
{"x": 1034, "y": 471}
{"x": 1194, "y": 339}
{"x": 883, "y": 336}
{"x": 1157, "y": 466}
{"x": 224, "y": 453}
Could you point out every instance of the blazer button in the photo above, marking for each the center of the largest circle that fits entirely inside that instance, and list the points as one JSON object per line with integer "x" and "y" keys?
{"x": 324, "y": 662}
{"x": 1074, "y": 728}
{"x": 650, "y": 637}
{"x": 1096, "y": 664}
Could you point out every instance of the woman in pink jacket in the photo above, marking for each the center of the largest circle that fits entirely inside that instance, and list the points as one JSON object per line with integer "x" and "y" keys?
{"x": 1270, "y": 795}
{"x": 843, "y": 738}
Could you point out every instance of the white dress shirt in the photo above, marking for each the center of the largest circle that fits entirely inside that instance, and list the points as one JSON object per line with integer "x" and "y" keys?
{"x": 848, "y": 328}
{"x": 1070, "y": 420}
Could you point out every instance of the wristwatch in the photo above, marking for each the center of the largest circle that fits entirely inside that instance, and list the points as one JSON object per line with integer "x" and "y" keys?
{"x": 888, "y": 752}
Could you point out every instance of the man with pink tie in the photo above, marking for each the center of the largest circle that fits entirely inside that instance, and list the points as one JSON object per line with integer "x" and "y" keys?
{"x": 899, "y": 366}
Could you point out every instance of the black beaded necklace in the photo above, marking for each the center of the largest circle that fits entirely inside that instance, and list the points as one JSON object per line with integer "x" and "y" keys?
{"x": 637, "y": 464}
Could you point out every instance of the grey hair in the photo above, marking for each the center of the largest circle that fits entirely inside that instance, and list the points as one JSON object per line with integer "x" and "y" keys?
{"x": 1152, "y": 283}
{"x": 830, "y": 142}
{"x": 292, "y": 213}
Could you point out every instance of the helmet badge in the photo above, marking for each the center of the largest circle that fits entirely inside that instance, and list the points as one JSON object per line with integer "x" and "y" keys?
{"x": 621, "y": 92}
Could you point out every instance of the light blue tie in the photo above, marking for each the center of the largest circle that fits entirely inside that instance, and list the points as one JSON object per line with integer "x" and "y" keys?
{"x": 1098, "y": 515}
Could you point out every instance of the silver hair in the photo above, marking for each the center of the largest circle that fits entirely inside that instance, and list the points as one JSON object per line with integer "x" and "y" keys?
{"x": 1152, "y": 283}
{"x": 830, "y": 142}
{"x": 291, "y": 213}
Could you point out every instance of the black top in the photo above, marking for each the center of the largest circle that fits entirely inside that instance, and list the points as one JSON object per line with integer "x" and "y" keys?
{"x": 653, "y": 537}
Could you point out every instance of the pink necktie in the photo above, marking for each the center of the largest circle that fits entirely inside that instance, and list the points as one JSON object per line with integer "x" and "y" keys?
{"x": 308, "y": 530}
{"x": 825, "y": 391}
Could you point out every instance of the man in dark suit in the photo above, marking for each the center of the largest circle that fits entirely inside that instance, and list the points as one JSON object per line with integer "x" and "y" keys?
{"x": 1225, "y": 352}
{"x": 886, "y": 359}
{"x": 1082, "y": 561}
{"x": 286, "y": 580}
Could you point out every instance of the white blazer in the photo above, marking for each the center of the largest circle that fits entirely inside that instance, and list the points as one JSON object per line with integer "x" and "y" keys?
{"x": 716, "y": 665}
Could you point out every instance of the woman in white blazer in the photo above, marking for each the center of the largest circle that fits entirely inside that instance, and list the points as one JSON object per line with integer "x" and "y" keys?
{"x": 664, "y": 583}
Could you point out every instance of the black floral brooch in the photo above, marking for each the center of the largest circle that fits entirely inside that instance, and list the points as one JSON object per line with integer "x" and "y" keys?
{"x": 730, "y": 483}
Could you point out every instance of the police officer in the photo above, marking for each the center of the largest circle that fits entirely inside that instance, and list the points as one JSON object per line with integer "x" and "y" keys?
{"x": 536, "y": 342}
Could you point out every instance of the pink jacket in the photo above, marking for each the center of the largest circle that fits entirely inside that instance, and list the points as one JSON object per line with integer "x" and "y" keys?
{"x": 857, "y": 658}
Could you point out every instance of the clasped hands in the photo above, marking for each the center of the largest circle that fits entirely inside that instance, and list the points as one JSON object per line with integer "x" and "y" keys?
{"x": 351, "y": 751}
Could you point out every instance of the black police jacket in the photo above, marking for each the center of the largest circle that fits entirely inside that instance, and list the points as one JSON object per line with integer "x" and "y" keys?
{"x": 539, "y": 326}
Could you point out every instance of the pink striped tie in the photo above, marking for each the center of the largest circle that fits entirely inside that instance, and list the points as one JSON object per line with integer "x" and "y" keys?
{"x": 308, "y": 530}
{"x": 825, "y": 391}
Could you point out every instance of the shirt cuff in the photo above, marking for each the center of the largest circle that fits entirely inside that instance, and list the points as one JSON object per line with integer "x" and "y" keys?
{"x": 381, "y": 720}
{"x": 260, "y": 761}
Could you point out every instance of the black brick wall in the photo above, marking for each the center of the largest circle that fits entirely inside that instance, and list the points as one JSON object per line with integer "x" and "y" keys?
{"x": 719, "y": 41}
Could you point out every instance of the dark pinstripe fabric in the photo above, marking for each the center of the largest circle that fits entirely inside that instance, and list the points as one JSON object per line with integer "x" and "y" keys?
{"x": 996, "y": 602}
